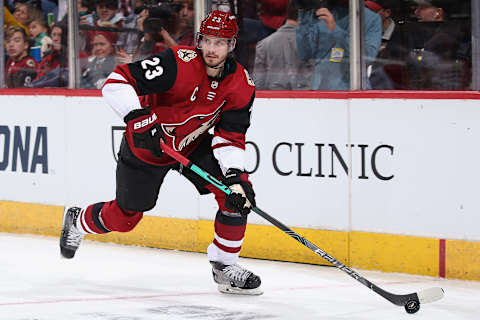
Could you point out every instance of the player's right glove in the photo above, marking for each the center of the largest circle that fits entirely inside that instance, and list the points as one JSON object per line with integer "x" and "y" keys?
{"x": 145, "y": 130}
{"x": 242, "y": 198}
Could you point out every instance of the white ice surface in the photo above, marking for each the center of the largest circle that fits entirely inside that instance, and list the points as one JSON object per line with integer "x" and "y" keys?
{"x": 114, "y": 282}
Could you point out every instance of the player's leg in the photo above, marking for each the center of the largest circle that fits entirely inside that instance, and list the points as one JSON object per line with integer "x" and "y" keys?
{"x": 138, "y": 184}
{"x": 229, "y": 227}
{"x": 224, "y": 251}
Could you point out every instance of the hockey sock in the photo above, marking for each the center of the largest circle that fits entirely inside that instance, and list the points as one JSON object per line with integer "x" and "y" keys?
{"x": 89, "y": 220}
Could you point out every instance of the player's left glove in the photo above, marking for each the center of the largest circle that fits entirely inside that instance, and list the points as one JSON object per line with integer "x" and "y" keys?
{"x": 242, "y": 198}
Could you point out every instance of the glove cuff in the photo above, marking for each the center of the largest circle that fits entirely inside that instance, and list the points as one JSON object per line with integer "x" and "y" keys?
{"x": 233, "y": 172}
{"x": 135, "y": 114}
{"x": 234, "y": 175}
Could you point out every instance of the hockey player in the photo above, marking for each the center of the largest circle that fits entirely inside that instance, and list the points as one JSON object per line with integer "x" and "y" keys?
{"x": 177, "y": 96}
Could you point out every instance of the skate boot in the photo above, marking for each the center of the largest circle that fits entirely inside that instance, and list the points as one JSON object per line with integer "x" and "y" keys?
{"x": 235, "y": 279}
{"x": 70, "y": 238}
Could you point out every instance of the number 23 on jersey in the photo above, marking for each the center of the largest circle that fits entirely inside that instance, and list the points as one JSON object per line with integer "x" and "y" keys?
{"x": 152, "y": 67}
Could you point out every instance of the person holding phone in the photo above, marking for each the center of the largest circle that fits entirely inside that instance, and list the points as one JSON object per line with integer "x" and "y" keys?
{"x": 323, "y": 35}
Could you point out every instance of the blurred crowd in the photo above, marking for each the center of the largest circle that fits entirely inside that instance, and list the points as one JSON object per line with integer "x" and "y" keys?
{"x": 285, "y": 44}
{"x": 112, "y": 32}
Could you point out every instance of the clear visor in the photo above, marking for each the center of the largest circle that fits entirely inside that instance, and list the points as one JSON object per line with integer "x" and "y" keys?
{"x": 206, "y": 41}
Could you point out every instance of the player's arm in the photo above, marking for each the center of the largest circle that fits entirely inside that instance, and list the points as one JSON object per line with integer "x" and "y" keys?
{"x": 126, "y": 83}
{"x": 155, "y": 74}
{"x": 229, "y": 149}
{"x": 228, "y": 143}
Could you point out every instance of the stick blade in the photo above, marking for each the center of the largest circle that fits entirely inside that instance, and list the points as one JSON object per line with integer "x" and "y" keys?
{"x": 430, "y": 295}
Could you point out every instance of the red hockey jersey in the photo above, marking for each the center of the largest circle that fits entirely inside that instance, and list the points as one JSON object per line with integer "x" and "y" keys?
{"x": 49, "y": 63}
{"x": 174, "y": 84}
{"x": 20, "y": 73}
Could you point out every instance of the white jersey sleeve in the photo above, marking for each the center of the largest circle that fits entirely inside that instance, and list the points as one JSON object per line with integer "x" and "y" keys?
{"x": 228, "y": 156}
{"x": 121, "y": 97}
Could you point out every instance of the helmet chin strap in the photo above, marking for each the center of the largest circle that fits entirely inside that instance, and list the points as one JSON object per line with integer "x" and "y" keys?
{"x": 219, "y": 65}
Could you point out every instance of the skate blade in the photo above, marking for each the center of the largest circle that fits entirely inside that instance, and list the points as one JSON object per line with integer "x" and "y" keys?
{"x": 226, "y": 288}
{"x": 66, "y": 253}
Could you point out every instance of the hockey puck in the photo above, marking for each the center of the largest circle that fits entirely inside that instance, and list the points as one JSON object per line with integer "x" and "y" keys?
{"x": 412, "y": 306}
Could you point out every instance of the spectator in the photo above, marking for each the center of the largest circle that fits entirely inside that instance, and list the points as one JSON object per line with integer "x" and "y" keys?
{"x": 25, "y": 13}
{"x": 102, "y": 61}
{"x": 387, "y": 71}
{"x": 182, "y": 32}
{"x": 128, "y": 41}
{"x": 323, "y": 35}
{"x": 126, "y": 7}
{"x": 39, "y": 33}
{"x": 123, "y": 57}
{"x": 272, "y": 15}
{"x": 44, "y": 6}
{"x": 21, "y": 13}
{"x": 53, "y": 70}
{"x": 277, "y": 65}
{"x": 384, "y": 9}
{"x": 170, "y": 24}
{"x": 21, "y": 69}
{"x": 11, "y": 21}
{"x": 436, "y": 57}
{"x": 429, "y": 11}
{"x": 221, "y": 5}
{"x": 155, "y": 23}
{"x": 106, "y": 15}
{"x": 84, "y": 12}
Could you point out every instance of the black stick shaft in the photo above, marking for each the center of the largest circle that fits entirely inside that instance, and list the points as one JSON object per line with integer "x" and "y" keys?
{"x": 399, "y": 300}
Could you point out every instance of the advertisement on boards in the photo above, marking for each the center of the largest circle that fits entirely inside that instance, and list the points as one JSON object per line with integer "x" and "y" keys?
{"x": 32, "y": 158}
{"x": 388, "y": 166}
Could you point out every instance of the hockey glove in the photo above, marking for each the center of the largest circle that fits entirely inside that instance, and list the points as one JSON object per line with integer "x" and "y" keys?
{"x": 145, "y": 130}
{"x": 242, "y": 197}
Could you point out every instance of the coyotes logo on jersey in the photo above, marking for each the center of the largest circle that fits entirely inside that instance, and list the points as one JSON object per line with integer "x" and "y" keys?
{"x": 184, "y": 133}
{"x": 186, "y": 54}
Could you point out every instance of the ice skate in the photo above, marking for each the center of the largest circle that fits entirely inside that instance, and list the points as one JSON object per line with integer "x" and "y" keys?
{"x": 235, "y": 279}
{"x": 70, "y": 238}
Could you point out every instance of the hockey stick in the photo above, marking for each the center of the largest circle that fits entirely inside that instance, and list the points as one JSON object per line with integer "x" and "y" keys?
{"x": 411, "y": 301}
